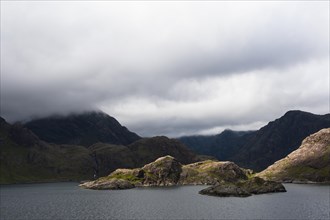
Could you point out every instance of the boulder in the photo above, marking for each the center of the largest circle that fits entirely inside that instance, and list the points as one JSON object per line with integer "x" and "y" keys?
{"x": 211, "y": 172}
{"x": 112, "y": 183}
{"x": 165, "y": 171}
{"x": 246, "y": 188}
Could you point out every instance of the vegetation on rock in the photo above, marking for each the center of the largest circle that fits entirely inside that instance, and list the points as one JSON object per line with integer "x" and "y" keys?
{"x": 245, "y": 188}
{"x": 228, "y": 178}
{"x": 211, "y": 172}
{"x": 309, "y": 163}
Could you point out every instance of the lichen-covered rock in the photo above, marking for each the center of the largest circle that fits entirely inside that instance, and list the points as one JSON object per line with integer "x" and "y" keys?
{"x": 165, "y": 171}
{"x": 225, "y": 190}
{"x": 112, "y": 183}
{"x": 211, "y": 172}
{"x": 309, "y": 163}
{"x": 135, "y": 176}
{"x": 258, "y": 185}
{"x": 246, "y": 188}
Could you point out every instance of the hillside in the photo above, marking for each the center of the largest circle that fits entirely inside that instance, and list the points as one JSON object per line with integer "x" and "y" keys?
{"x": 82, "y": 129}
{"x": 110, "y": 157}
{"x": 279, "y": 138}
{"x": 222, "y": 146}
{"x": 26, "y": 158}
{"x": 310, "y": 162}
{"x": 259, "y": 149}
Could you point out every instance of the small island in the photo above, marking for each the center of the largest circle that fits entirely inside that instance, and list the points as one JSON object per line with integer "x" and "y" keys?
{"x": 226, "y": 178}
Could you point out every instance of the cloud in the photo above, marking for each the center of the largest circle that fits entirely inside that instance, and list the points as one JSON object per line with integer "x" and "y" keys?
{"x": 165, "y": 67}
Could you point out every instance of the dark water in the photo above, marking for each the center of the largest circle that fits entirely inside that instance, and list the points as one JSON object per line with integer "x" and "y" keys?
{"x": 68, "y": 201}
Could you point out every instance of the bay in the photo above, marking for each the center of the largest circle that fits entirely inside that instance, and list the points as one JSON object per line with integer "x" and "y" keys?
{"x": 68, "y": 201}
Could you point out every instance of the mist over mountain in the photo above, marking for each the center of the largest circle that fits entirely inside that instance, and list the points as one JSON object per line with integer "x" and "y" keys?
{"x": 26, "y": 158}
{"x": 82, "y": 129}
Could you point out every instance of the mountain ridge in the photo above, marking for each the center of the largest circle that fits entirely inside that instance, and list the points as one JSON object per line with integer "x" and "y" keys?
{"x": 258, "y": 149}
{"x": 82, "y": 129}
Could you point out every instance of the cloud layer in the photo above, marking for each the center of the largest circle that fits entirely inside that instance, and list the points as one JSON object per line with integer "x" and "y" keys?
{"x": 165, "y": 68}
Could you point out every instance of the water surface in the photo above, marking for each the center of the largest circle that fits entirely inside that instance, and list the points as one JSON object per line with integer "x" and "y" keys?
{"x": 68, "y": 201}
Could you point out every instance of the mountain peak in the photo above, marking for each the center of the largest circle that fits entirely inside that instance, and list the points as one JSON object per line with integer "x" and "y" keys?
{"x": 82, "y": 129}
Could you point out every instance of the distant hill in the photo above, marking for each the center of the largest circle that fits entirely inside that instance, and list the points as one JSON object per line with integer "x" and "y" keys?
{"x": 310, "y": 162}
{"x": 110, "y": 157}
{"x": 82, "y": 129}
{"x": 222, "y": 146}
{"x": 279, "y": 138}
{"x": 26, "y": 158}
{"x": 259, "y": 149}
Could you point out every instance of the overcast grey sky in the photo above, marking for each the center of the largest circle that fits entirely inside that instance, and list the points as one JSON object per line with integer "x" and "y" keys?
{"x": 165, "y": 68}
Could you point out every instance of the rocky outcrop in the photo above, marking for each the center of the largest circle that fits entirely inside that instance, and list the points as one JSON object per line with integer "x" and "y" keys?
{"x": 109, "y": 184}
{"x": 309, "y": 163}
{"x": 228, "y": 178}
{"x": 211, "y": 172}
{"x": 165, "y": 171}
{"x": 246, "y": 188}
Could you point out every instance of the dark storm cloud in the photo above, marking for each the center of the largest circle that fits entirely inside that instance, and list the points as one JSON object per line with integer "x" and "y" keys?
{"x": 165, "y": 68}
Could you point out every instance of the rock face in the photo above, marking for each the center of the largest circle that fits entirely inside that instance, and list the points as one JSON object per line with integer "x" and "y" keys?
{"x": 309, "y": 163}
{"x": 246, "y": 188}
{"x": 258, "y": 150}
{"x": 165, "y": 171}
{"x": 82, "y": 129}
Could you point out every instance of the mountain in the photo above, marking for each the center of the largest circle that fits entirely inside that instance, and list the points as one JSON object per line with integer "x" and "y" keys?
{"x": 279, "y": 138}
{"x": 82, "y": 129}
{"x": 259, "y": 149}
{"x": 110, "y": 157}
{"x": 26, "y": 158}
{"x": 310, "y": 162}
{"x": 222, "y": 146}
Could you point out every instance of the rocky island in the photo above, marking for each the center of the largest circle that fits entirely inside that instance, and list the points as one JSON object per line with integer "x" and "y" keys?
{"x": 167, "y": 171}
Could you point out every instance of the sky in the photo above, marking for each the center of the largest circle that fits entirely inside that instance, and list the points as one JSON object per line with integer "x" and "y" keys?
{"x": 165, "y": 68}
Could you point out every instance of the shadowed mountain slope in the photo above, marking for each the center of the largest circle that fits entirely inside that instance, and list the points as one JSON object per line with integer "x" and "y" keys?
{"x": 258, "y": 149}
{"x": 26, "y": 158}
{"x": 82, "y": 129}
